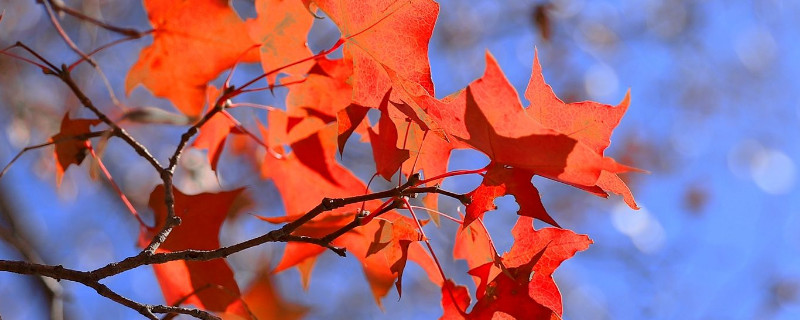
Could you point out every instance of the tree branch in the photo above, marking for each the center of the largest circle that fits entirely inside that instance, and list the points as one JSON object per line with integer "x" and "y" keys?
{"x": 59, "y": 6}
{"x": 148, "y": 255}
{"x": 173, "y": 220}
{"x": 58, "y": 272}
{"x": 118, "y": 131}
{"x": 84, "y": 136}
{"x": 282, "y": 234}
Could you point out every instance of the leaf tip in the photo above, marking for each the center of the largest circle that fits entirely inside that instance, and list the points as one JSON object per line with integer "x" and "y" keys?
{"x": 625, "y": 100}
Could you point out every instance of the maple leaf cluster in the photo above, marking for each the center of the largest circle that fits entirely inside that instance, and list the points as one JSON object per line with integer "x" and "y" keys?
{"x": 384, "y": 71}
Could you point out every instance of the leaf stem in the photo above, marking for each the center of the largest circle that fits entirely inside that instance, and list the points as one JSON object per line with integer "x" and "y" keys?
{"x": 60, "y": 140}
{"x": 424, "y": 237}
{"x": 60, "y": 7}
{"x": 118, "y": 190}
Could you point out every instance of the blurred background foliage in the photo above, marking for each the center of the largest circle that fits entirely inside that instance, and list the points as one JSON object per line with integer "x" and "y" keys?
{"x": 714, "y": 118}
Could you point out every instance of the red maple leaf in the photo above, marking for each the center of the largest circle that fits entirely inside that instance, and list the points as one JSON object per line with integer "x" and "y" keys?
{"x": 384, "y": 34}
{"x": 590, "y": 123}
{"x": 281, "y": 27}
{"x": 193, "y": 41}
{"x": 455, "y": 299}
{"x": 521, "y": 287}
{"x": 527, "y": 285}
{"x": 473, "y": 244}
{"x": 69, "y": 150}
{"x": 206, "y": 284}
{"x": 298, "y": 182}
{"x": 325, "y": 91}
{"x": 489, "y": 117}
{"x": 214, "y": 132}
{"x": 349, "y": 120}
{"x": 264, "y": 301}
{"x": 392, "y": 240}
{"x": 500, "y": 181}
{"x": 388, "y": 157}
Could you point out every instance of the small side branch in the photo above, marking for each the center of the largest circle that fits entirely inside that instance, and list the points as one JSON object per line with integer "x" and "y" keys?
{"x": 463, "y": 198}
{"x": 172, "y": 219}
{"x": 119, "y": 132}
{"x": 59, "y": 6}
{"x": 85, "y": 136}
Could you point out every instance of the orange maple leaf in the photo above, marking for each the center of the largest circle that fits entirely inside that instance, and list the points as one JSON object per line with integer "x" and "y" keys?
{"x": 265, "y": 302}
{"x": 70, "y": 151}
{"x": 489, "y": 117}
{"x": 206, "y": 284}
{"x": 589, "y": 122}
{"x": 281, "y": 27}
{"x": 299, "y": 181}
{"x": 392, "y": 240}
{"x": 500, "y": 181}
{"x": 193, "y": 41}
{"x": 384, "y": 34}
{"x": 214, "y": 132}
{"x": 326, "y": 90}
{"x": 524, "y": 287}
{"x": 388, "y": 157}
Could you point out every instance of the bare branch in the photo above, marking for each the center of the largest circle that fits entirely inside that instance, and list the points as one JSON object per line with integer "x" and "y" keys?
{"x": 66, "y": 77}
{"x": 173, "y": 220}
{"x": 49, "y": 68}
{"x": 463, "y": 198}
{"x": 47, "y": 4}
{"x": 283, "y": 234}
{"x": 86, "y": 278}
{"x": 59, "y": 6}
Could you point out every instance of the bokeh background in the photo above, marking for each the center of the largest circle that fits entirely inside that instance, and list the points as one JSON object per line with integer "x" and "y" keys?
{"x": 714, "y": 118}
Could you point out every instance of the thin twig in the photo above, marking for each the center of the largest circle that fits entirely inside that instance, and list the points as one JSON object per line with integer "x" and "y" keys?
{"x": 60, "y": 7}
{"x": 57, "y": 25}
{"x": 44, "y": 68}
{"x": 119, "y": 132}
{"x": 424, "y": 237}
{"x": 50, "y": 67}
{"x": 465, "y": 199}
{"x": 172, "y": 220}
{"x": 439, "y": 213}
{"x": 60, "y": 140}
{"x": 87, "y": 278}
{"x": 101, "y": 48}
{"x": 118, "y": 190}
